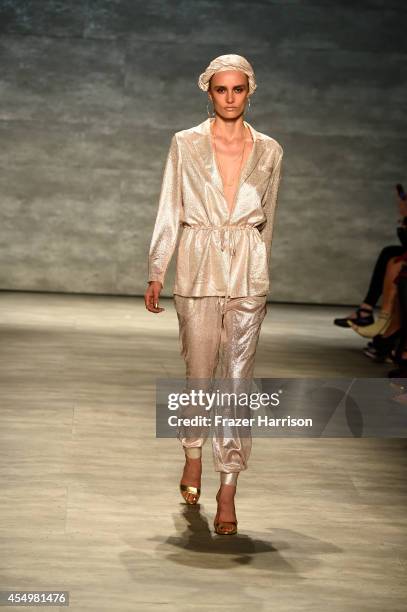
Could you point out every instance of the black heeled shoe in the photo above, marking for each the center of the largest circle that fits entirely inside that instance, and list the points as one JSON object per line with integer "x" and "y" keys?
{"x": 381, "y": 348}
{"x": 359, "y": 320}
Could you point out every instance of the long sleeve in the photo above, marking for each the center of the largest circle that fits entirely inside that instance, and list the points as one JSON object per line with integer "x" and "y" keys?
{"x": 164, "y": 237}
{"x": 270, "y": 204}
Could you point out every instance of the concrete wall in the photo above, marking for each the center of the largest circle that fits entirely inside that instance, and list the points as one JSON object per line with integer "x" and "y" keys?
{"x": 91, "y": 92}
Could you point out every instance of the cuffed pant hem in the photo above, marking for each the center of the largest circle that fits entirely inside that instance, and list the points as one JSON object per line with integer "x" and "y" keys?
{"x": 229, "y": 478}
{"x": 193, "y": 452}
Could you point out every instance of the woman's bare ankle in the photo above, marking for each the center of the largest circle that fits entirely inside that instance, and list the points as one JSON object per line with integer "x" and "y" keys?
{"x": 226, "y": 492}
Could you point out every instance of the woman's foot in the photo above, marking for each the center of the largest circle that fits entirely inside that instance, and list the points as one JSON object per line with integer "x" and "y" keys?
{"x": 378, "y": 327}
{"x": 362, "y": 316}
{"x": 191, "y": 477}
{"x": 381, "y": 348}
{"x": 225, "y": 522}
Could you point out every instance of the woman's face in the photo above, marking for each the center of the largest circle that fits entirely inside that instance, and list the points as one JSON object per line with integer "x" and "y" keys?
{"x": 228, "y": 91}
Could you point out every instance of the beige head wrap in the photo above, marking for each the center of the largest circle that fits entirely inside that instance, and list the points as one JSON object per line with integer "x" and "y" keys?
{"x": 228, "y": 62}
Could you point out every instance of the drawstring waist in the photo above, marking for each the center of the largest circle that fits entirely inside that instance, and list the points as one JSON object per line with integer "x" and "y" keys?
{"x": 226, "y": 231}
{"x": 223, "y": 230}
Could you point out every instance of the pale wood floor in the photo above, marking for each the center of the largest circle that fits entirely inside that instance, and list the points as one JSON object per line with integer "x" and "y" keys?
{"x": 89, "y": 497}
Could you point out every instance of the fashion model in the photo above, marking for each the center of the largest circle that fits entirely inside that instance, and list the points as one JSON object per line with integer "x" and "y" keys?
{"x": 220, "y": 184}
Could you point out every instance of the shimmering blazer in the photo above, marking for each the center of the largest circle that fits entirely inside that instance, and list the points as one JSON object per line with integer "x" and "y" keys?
{"x": 219, "y": 253}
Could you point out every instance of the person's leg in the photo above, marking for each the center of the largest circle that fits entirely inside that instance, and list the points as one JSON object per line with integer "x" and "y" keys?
{"x": 376, "y": 282}
{"x": 241, "y": 326}
{"x": 199, "y": 335}
{"x": 379, "y": 273}
{"x": 389, "y": 287}
{"x": 240, "y": 332}
{"x": 389, "y": 297}
{"x": 401, "y": 351}
{"x": 395, "y": 319}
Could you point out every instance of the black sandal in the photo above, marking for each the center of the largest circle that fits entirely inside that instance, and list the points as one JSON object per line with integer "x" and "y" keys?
{"x": 382, "y": 349}
{"x": 359, "y": 320}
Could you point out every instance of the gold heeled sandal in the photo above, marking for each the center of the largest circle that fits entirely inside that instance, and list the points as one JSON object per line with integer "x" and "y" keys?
{"x": 190, "y": 490}
{"x": 187, "y": 490}
{"x": 224, "y": 527}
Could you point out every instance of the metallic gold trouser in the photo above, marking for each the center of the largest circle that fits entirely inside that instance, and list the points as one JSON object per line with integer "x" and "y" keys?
{"x": 219, "y": 336}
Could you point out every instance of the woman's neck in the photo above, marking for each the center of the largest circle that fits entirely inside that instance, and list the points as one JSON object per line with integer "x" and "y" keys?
{"x": 228, "y": 130}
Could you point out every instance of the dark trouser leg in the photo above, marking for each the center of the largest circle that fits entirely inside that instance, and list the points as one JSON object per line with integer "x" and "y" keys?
{"x": 402, "y": 295}
{"x": 377, "y": 279}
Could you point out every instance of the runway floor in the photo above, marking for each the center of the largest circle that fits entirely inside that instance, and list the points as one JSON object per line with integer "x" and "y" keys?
{"x": 89, "y": 498}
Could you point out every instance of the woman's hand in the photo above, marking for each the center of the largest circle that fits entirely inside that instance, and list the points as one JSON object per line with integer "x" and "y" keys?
{"x": 152, "y": 296}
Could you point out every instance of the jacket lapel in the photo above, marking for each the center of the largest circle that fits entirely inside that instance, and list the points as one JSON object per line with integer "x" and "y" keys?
{"x": 203, "y": 146}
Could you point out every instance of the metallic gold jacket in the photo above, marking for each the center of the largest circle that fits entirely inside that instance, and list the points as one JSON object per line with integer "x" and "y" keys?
{"x": 219, "y": 253}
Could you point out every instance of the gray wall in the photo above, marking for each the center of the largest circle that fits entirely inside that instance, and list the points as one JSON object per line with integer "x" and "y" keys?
{"x": 92, "y": 91}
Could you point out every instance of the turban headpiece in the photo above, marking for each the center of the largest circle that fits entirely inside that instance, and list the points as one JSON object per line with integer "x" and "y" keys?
{"x": 228, "y": 62}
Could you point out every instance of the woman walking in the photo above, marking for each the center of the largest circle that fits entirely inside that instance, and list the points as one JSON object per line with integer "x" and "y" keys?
{"x": 220, "y": 184}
